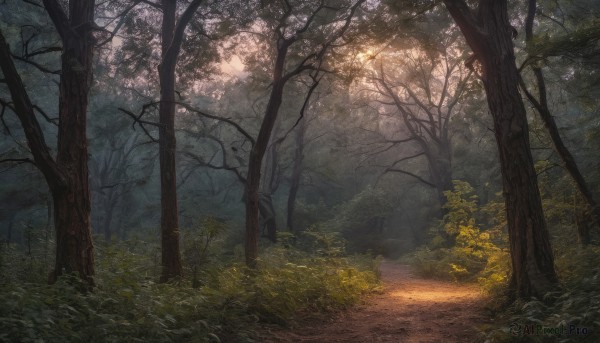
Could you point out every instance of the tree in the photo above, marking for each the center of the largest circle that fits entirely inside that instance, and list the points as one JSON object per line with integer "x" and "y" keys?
{"x": 67, "y": 174}
{"x": 190, "y": 53}
{"x": 541, "y": 105}
{"x": 417, "y": 91}
{"x": 113, "y": 179}
{"x": 488, "y": 32}
{"x": 172, "y": 34}
{"x": 293, "y": 25}
{"x": 295, "y": 177}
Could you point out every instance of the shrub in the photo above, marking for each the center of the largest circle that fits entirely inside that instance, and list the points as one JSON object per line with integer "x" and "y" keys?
{"x": 129, "y": 306}
{"x": 459, "y": 249}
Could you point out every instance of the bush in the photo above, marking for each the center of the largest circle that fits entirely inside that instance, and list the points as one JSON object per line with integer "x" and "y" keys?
{"x": 128, "y": 306}
{"x": 459, "y": 249}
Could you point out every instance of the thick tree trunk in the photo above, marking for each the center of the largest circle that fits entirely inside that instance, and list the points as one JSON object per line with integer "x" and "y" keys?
{"x": 489, "y": 35}
{"x": 256, "y": 156}
{"x": 72, "y": 204}
{"x": 74, "y": 249}
{"x": 67, "y": 176}
{"x": 171, "y": 258}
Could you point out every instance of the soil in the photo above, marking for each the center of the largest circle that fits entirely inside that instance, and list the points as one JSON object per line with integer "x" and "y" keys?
{"x": 409, "y": 309}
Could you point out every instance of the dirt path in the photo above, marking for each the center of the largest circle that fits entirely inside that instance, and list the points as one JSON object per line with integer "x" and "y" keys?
{"x": 410, "y": 309}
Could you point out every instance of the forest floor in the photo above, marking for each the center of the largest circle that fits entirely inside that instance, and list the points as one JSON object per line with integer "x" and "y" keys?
{"x": 409, "y": 309}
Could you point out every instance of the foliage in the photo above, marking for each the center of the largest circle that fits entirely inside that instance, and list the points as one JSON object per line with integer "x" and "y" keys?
{"x": 128, "y": 305}
{"x": 307, "y": 214}
{"x": 199, "y": 244}
{"x": 289, "y": 282}
{"x": 473, "y": 254}
{"x": 361, "y": 219}
{"x": 575, "y": 306}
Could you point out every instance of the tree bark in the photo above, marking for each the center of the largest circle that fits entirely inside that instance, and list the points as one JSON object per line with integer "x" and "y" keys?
{"x": 489, "y": 35}
{"x": 171, "y": 39}
{"x": 256, "y": 156}
{"x": 169, "y": 224}
{"x": 67, "y": 176}
{"x": 541, "y": 105}
{"x": 72, "y": 205}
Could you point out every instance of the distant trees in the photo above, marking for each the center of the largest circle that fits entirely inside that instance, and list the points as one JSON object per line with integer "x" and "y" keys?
{"x": 115, "y": 170}
{"x": 67, "y": 174}
{"x": 417, "y": 92}
{"x": 489, "y": 33}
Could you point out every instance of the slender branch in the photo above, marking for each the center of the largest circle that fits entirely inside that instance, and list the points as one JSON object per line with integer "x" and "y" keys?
{"x": 410, "y": 174}
{"x": 37, "y": 65}
{"x": 53, "y": 121}
{"x": 43, "y": 51}
{"x": 407, "y": 158}
{"x": 141, "y": 123}
{"x": 210, "y": 116}
{"x": 224, "y": 166}
{"x": 18, "y": 160}
{"x": 25, "y": 112}
{"x": 33, "y": 3}
{"x": 59, "y": 18}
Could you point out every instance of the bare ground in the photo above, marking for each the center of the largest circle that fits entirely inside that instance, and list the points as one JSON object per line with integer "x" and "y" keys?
{"x": 410, "y": 309}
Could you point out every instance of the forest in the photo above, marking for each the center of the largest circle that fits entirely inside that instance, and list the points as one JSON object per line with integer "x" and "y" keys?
{"x": 299, "y": 171}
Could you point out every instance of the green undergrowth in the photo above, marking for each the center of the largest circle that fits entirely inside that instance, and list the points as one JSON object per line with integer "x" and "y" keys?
{"x": 570, "y": 314}
{"x": 225, "y": 302}
{"x": 460, "y": 248}
{"x": 470, "y": 245}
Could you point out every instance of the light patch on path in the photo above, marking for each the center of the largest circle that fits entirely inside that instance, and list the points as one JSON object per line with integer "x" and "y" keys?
{"x": 410, "y": 309}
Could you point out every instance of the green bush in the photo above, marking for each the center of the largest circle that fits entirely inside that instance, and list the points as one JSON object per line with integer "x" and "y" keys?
{"x": 459, "y": 249}
{"x": 129, "y": 306}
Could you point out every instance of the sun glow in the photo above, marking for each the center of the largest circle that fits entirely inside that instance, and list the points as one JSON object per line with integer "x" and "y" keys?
{"x": 366, "y": 55}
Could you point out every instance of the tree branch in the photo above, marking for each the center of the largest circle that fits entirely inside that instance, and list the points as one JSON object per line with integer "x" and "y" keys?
{"x": 410, "y": 174}
{"x": 18, "y": 160}
{"x": 37, "y": 65}
{"x": 58, "y": 17}
{"x": 25, "y": 112}
{"x": 137, "y": 119}
{"x": 175, "y": 46}
{"x": 226, "y": 120}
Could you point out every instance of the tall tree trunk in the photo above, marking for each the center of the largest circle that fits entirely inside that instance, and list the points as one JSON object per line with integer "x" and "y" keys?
{"x": 489, "y": 35}
{"x": 541, "y": 105}
{"x": 256, "y": 156}
{"x": 172, "y": 33}
{"x": 67, "y": 175}
{"x": 72, "y": 204}
{"x": 296, "y": 173}
{"x": 169, "y": 224}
